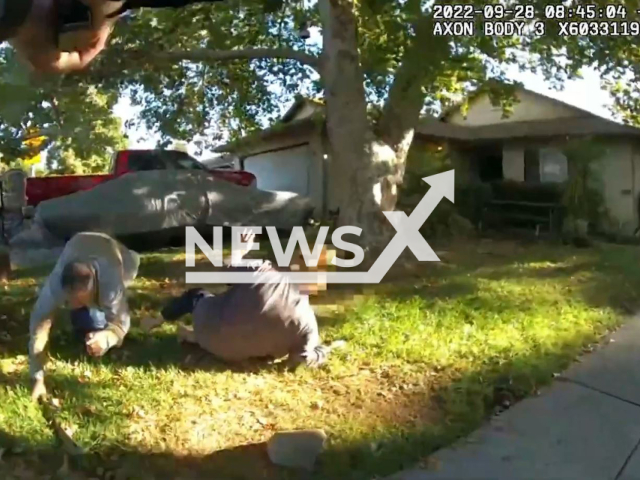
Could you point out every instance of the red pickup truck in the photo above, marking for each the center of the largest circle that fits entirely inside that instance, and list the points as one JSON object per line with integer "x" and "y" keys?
{"x": 39, "y": 189}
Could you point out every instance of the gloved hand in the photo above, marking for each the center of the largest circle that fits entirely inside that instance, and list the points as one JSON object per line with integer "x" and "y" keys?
{"x": 35, "y": 41}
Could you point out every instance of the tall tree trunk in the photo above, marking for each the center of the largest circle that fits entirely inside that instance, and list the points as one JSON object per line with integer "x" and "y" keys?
{"x": 361, "y": 161}
{"x": 401, "y": 112}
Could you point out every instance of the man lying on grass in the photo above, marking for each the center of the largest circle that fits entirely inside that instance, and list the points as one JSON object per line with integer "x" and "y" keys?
{"x": 91, "y": 277}
{"x": 263, "y": 320}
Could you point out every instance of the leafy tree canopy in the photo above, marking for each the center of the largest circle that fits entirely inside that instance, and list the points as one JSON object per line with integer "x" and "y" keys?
{"x": 227, "y": 68}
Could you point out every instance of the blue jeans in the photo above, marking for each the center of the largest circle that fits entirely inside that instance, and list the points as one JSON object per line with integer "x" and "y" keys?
{"x": 85, "y": 320}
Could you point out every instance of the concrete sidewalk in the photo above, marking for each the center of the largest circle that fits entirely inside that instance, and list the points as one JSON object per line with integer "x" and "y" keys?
{"x": 586, "y": 425}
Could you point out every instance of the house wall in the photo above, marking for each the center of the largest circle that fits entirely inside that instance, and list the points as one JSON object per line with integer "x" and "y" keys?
{"x": 531, "y": 107}
{"x": 291, "y": 170}
{"x": 553, "y": 166}
{"x": 513, "y": 162}
{"x": 297, "y": 168}
{"x": 619, "y": 173}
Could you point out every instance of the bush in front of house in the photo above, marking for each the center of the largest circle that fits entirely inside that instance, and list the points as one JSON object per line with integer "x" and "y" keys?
{"x": 448, "y": 220}
{"x": 511, "y": 190}
{"x": 471, "y": 200}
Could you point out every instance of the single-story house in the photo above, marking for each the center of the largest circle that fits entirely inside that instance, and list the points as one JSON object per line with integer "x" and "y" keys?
{"x": 484, "y": 144}
{"x": 290, "y": 156}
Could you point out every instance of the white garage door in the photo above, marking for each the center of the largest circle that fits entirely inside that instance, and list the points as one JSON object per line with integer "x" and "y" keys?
{"x": 284, "y": 170}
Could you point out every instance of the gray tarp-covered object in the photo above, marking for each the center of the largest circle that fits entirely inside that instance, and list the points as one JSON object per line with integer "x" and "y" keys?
{"x": 153, "y": 201}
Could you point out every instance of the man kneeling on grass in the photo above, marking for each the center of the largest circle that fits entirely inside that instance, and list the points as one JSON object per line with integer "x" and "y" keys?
{"x": 91, "y": 277}
{"x": 264, "y": 320}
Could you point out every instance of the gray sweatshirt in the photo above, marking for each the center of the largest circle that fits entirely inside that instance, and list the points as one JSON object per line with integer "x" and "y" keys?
{"x": 259, "y": 320}
{"x": 115, "y": 266}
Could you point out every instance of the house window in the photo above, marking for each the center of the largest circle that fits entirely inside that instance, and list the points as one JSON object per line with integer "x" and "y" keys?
{"x": 553, "y": 166}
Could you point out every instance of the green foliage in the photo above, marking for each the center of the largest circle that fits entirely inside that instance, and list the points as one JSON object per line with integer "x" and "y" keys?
{"x": 76, "y": 118}
{"x": 429, "y": 159}
{"x": 423, "y": 160}
{"x": 471, "y": 199}
{"x": 226, "y": 100}
{"x": 223, "y": 100}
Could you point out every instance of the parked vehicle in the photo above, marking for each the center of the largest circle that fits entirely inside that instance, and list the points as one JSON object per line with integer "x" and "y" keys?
{"x": 39, "y": 189}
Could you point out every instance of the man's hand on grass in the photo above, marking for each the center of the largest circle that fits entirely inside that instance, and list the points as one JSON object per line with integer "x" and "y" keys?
{"x": 38, "y": 390}
{"x": 99, "y": 343}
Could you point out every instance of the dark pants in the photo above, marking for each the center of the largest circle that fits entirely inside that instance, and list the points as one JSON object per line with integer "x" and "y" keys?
{"x": 83, "y": 322}
{"x": 184, "y": 304}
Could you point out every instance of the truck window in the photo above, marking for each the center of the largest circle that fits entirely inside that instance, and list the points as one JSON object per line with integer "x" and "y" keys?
{"x": 145, "y": 161}
{"x": 182, "y": 161}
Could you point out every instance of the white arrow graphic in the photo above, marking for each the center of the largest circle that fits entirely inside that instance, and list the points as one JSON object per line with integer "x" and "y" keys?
{"x": 408, "y": 235}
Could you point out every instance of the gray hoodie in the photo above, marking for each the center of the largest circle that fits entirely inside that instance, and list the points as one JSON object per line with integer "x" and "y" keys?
{"x": 264, "y": 319}
{"x": 115, "y": 266}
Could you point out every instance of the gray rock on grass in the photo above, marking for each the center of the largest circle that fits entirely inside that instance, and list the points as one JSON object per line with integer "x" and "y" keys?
{"x": 296, "y": 449}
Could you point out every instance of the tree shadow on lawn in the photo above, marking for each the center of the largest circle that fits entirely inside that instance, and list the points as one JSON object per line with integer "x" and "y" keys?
{"x": 456, "y": 403}
{"x": 244, "y": 462}
{"x": 457, "y": 400}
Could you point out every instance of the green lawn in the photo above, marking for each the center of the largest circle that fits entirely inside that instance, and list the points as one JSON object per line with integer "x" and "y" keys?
{"x": 430, "y": 353}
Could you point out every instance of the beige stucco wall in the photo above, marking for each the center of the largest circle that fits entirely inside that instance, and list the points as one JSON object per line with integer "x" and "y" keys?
{"x": 617, "y": 171}
{"x": 531, "y": 107}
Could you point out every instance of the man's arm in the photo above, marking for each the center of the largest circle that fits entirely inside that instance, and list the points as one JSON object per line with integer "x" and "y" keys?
{"x": 309, "y": 350}
{"x": 39, "y": 328}
{"x": 116, "y": 310}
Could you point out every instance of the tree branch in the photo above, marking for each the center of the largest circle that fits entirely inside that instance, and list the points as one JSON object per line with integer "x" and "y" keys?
{"x": 205, "y": 55}
{"x": 406, "y": 98}
{"x": 56, "y": 111}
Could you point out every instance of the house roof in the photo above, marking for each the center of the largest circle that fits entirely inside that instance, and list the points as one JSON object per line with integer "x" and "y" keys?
{"x": 475, "y": 95}
{"x": 298, "y": 105}
{"x": 279, "y": 132}
{"x": 592, "y": 125}
{"x": 288, "y": 129}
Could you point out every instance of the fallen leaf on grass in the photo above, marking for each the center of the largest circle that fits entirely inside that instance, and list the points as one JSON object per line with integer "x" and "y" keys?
{"x": 139, "y": 412}
{"x": 85, "y": 377}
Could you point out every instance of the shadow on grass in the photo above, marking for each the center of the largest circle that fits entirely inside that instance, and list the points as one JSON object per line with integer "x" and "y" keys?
{"x": 463, "y": 403}
{"x": 461, "y": 399}
{"x": 245, "y": 462}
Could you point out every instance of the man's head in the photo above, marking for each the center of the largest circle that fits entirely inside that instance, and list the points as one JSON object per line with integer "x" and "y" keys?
{"x": 324, "y": 264}
{"x": 78, "y": 283}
